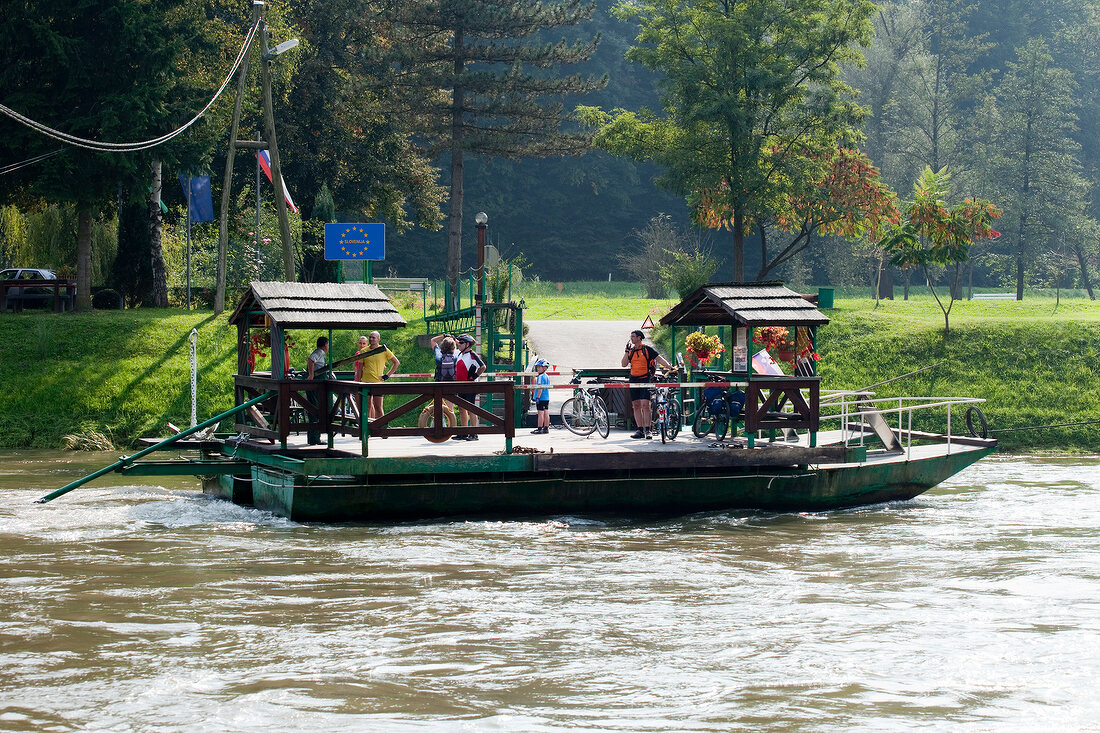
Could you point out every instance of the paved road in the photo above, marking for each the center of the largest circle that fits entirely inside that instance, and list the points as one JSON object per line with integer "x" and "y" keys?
{"x": 580, "y": 344}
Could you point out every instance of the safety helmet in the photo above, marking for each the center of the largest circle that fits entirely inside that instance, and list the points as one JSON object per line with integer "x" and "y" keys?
{"x": 465, "y": 339}
{"x": 541, "y": 363}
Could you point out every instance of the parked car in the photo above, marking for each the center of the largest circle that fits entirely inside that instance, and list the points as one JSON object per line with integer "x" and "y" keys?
{"x": 18, "y": 296}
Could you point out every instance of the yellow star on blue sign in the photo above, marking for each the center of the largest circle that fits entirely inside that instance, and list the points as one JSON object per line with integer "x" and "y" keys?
{"x": 355, "y": 241}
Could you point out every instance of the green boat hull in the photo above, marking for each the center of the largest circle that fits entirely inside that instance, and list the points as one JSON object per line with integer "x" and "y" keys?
{"x": 673, "y": 491}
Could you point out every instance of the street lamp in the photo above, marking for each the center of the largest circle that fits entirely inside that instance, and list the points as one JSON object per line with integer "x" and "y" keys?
{"x": 482, "y": 221}
{"x": 282, "y": 47}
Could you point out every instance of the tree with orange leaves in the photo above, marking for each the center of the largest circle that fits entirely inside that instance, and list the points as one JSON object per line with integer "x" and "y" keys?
{"x": 934, "y": 234}
{"x": 843, "y": 197}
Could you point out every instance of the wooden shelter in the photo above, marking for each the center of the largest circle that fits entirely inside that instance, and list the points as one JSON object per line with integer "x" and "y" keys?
{"x": 282, "y": 306}
{"x": 773, "y": 401}
{"x": 744, "y": 304}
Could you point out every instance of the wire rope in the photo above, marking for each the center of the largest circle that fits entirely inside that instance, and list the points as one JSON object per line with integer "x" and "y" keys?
{"x": 13, "y": 167}
{"x": 133, "y": 147}
{"x": 1046, "y": 427}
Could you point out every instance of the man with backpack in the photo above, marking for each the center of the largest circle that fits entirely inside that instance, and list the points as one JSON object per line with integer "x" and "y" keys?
{"x": 643, "y": 361}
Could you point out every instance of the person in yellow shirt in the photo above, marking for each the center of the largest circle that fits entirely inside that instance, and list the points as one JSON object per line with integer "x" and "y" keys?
{"x": 372, "y": 368}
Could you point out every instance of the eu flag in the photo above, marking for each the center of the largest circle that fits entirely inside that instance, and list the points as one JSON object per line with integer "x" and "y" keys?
{"x": 202, "y": 204}
{"x": 355, "y": 241}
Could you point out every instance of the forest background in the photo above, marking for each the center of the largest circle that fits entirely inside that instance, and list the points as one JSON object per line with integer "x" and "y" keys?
{"x": 1003, "y": 93}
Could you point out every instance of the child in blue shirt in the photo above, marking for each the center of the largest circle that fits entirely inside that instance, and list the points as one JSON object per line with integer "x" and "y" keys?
{"x": 542, "y": 398}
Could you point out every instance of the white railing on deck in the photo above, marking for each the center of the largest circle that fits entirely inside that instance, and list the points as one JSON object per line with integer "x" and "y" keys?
{"x": 853, "y": 406}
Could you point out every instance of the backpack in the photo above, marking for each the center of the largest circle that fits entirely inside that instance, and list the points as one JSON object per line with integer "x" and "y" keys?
{"x": 445, "y": 368}
{"x": 650, "y": 356}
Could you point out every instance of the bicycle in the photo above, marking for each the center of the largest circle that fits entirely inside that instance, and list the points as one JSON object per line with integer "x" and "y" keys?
{"x": 720, "y": 407}
{"x": 667, "y": 416}
{"x": 585, "y": 412}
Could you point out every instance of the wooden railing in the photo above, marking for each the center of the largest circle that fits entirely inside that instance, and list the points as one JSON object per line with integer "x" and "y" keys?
{"x": 774, "y": 403}
{"x": 331, "y": 407}
{"x": 17, "y": 301}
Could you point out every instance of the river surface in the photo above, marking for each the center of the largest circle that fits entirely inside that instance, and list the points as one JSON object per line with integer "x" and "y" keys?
{"x": 140, "y": 605}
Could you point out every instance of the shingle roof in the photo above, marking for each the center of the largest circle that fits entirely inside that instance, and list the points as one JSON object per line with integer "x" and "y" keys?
{"x": 744, "y": 304}
{"x": 320, "y": 305}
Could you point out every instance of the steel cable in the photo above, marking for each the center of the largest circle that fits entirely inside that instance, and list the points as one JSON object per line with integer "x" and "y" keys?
{"x": 134, "y": 146}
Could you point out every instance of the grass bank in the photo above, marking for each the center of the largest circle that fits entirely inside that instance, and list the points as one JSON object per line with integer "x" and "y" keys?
{"x": 127, "y": 373}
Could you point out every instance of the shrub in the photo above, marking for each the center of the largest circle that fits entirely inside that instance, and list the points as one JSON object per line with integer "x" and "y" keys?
{"x": 659, "y": 238}
{"x": 107, "y": 299}
{"x": 689, "y": 271}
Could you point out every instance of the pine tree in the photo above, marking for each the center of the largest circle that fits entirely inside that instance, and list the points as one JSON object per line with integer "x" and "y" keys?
{"x": 1035, "y": 165}
{"x": 463, "y": 66}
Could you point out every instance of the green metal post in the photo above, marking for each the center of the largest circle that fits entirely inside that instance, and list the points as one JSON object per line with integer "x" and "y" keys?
{"x": 368, "y": 273}
{"x": 518, "y": 362}
{"x": 121, "y": 462}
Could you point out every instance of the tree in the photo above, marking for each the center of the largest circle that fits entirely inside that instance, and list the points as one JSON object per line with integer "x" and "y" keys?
{"x": 846, "y": 200}
{"x": 886, "y": 83}
{"x": 339, "y": 126}
{"x": 450, "y": 63}
{"x": 934, "y": 234}
{"x": 54, "y": 62}
{"x": 945, "y": 88}
{"x": 752, "y": 99}
{"x": 1034, "y": 161}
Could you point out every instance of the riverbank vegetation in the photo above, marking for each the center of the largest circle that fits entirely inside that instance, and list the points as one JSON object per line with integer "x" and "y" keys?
{"x": 126, "y": 374}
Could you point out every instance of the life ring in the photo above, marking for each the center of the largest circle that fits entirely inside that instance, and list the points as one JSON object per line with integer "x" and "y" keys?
{"x": 983, "y": 431}
{"x": 427, "y": 419}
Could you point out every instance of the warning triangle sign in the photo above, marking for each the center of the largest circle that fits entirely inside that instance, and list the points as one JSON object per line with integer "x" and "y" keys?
{"x": 648, "y": 322}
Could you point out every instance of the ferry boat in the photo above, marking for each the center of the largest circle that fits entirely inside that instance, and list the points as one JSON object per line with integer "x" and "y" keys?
{"x": 798, "y": 448}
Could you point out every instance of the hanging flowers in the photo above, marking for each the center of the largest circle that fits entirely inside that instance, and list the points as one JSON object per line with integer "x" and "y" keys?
{"x": 790, "y": 350}
{"x": 258, "y": 344}
{"x": 703, "y": 347}
{"x": 773, "y": 337}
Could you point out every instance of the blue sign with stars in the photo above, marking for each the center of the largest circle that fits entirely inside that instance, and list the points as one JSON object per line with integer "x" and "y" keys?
{"x": 355, "y": 241}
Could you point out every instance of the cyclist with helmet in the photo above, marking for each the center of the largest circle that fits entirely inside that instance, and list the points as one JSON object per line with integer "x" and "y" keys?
{"x": 542, "y": 397}
{"x": 469, "y": 367}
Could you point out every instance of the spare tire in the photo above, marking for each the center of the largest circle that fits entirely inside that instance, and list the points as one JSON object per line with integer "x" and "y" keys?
{"x": 973, "y": 413}
{"x": 427, "y": 420}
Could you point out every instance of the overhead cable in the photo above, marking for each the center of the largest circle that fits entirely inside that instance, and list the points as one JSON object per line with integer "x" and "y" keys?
{"x": 135, "y": 146}
{"x": 12, "y": 167}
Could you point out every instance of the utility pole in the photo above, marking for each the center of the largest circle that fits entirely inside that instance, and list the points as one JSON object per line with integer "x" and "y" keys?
{"x": 271, "y": 145}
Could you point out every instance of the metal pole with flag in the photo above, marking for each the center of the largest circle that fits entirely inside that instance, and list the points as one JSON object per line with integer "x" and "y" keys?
{"x": 200, "y": 208}
{"x": 190, "y": 196}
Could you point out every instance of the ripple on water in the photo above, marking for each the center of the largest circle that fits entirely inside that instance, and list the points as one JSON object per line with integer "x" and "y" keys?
{"x": 971, "y": 608}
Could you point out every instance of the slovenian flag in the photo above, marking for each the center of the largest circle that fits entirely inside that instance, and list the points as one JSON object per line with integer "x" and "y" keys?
{"x": 763, "y": 363}
{"x": 265, "y": 163}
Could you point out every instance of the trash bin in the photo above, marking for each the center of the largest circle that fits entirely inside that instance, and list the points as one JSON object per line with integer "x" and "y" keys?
{"x": 825, "y": 297}
{"x": 618, "y": 403}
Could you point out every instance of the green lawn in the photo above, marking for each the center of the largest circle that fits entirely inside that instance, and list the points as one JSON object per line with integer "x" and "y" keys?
{"x": 127, "y": 373}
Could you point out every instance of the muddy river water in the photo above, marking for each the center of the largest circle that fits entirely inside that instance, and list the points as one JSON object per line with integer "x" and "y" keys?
{"x": 140, "y": 605}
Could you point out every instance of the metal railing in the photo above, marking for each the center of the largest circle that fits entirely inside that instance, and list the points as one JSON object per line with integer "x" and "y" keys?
{"x": 860, "y": 409}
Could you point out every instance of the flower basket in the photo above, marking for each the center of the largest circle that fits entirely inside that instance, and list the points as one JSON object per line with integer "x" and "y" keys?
{"x": 778, "y": 340}
{"x": 702, "y": 348}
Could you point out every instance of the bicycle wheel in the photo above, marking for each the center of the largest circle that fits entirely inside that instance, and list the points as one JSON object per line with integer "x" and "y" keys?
{"x": 577, "y": 416}
{"x": 722, "y": 422}
{"x": 704, "y": 422}
{"x": 603, "y": 422}
{"x": 675, "y": 419}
